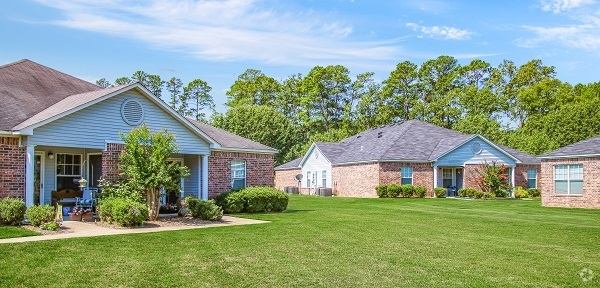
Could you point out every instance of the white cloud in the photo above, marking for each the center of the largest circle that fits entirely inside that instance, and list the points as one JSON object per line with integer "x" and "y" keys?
{"x": 443, "y": 32}
{"x": 557, "y": 6}
{"x": 226, "y": 30}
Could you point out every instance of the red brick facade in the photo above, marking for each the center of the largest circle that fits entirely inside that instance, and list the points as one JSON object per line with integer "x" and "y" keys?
{"x": 591, "y": 183}
{"x": 422, "y": 174}
{"x": 12, "y": 168}
{"x": 111, "y": 160}
{"x": 259, "y": 170}
{"x": 521, "y": 174}
{"x": 355, "y": 180}
{"x": 284, "y": 178}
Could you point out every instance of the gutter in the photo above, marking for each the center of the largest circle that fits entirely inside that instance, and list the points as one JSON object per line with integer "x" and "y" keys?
{"x": 568, "y": 156}
{"x": 257, "y": 151}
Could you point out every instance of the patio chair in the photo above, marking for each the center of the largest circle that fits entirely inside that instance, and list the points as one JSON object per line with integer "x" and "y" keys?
{"x": 88, "y": 199}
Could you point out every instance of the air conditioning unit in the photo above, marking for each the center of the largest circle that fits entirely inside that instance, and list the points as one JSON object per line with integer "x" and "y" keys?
{"x": 324, "y": 192}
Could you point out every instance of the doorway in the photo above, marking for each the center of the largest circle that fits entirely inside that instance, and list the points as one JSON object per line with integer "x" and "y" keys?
{"x": 38, "y": 178}
{"x": 94, "y": 169}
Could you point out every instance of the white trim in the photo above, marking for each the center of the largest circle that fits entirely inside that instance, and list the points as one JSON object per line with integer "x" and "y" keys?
{"x": 305, "y": 157}
{"x": 255, "y": 151}
{"x": 56, "y": 164}
{"x": 378, "y": 161}
{"x": 435, "y": 176}
{"x": 484, "y": 140}
{"x": 29, "y": 174}
{"x": 42, "y": 173}
{"x": 569, "y": 156}
{"x": 245, "y": 171}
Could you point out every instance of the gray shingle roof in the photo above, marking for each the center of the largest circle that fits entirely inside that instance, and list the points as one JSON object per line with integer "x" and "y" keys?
{"x": 27, "y": 88}
{"x": 290, "y": 165}
{"x": 230, "y": 140}
{"x": 586, "y": 147}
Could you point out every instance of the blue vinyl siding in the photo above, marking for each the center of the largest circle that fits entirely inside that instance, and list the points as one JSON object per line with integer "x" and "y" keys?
{"x": 191, "y": 186}
{"x": 93, "y": 126}
{"x": 464, "y": 155}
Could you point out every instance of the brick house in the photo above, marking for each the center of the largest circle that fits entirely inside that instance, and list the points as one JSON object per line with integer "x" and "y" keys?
{"x": 570, "y": 175}
{"x": 412, "y": 152}
{"x": 56, "y": 129}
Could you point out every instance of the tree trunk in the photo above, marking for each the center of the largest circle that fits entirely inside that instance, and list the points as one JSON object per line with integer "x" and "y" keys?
{"x": 153, "y": 203}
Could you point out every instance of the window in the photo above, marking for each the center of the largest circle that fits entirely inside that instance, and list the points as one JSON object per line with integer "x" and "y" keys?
{"x": 446, "y": 177}
{"x": 531, "y": 178}
{"x": 407, "y": 175}
{"x": 68, "y": 171}
{"x": 509, "y": 175}
{"x": 568, "y": 179}
{"x": 238, "y": 174}
{"x": 308, "y": 179}
{"x": 324, "y": 178}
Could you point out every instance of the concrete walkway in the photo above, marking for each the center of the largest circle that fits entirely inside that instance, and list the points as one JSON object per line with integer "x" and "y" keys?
{"x": 77, "y": 229}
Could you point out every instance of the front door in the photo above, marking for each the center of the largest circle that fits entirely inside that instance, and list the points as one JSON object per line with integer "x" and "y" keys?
{"x": 94, "y": 169}
{"x": 459, "y": 178}
{"x": 38, "y": 179}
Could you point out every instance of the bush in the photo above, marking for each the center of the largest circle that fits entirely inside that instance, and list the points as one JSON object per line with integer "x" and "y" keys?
{"x": 254, "y": 199}
{"x": 407, "y": 190}
{"x": 40, "y": 214}
{"x": 478, "y": 194}
{"x": 12, "y": 211}
{"x": 168, "y": 209}
{"x": 440, "y": 192}
{"x": 382, "y": 191}
{"x": 462, "y": 192}
{"x": 120, "y": 189}
{"x": 394, "y": 190}
{"x": 470, "y": 192}
{"x": 420, "y": 191}
{"x": 52, "y": 226}
{"x": 122, "y": 211}
{"x": 231, "y": 202}
{"x": 204, "y": 209}
{"x": 534, "y": 192}
{"x": 520, "y": 192}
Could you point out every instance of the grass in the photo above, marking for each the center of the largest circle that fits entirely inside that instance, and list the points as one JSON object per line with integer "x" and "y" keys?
{"x": 14, "y": 232}
{"x": 334, "y": 242}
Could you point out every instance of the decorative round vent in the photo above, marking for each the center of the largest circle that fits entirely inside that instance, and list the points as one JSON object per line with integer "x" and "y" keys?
{"x": 476, "y": 148}
{"x": 132, "y": 112}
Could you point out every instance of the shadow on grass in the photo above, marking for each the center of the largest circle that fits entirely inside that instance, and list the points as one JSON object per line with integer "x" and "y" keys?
{"x": 297, "y": 211}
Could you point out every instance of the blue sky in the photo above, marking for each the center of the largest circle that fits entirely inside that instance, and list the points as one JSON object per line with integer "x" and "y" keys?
{"x": 217, "y": 40}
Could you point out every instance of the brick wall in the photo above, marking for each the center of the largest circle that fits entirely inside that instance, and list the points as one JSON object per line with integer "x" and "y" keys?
{"x": 12, "y": 168}
{"x": 469, "y": 176}
{"x": 286, "y": 177}
{"x": 521, "y": 174}
{"x": 259, "y": 170}
{"x": 591, "y": 184}
{"x": 355, "y": 180}
{"x": 111, "y": 160}
{"x": 422, "y": 174}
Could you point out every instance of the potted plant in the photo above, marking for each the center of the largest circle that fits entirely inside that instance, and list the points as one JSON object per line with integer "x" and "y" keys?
{"x": 81, "y": 213}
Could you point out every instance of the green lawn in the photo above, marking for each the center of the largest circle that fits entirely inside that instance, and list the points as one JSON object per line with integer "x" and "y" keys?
{"x": 335, "y": 242}
{"x": 13, "y": 232}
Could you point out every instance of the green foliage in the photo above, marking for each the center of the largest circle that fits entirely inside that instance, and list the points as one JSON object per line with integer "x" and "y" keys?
{"x": 420, "y": 191}
{"x": 478, "y": 194}
{"x": 254, "y": 199}
{"x": 520, "y": 192}
{"x": 466, "y": 192}
{"x": 440, "y": 192}
{"x": 146, "y": 168}
{"x": 534, "y": 193}
{"x": 382, "y": 191}
{"x": 204, "y": 209}
{"x": 394, "y": 190}
{"x": 120, "y": 189}
{"x": 52, "y": 226}
{"x": 122, "y": 211}
{"x": 492, "y": 179}
{"x": 40, "y": 214}
{"x": 462, "y": 192}
{"x": 407, "y": 190}
{"x": 12, "y": 211}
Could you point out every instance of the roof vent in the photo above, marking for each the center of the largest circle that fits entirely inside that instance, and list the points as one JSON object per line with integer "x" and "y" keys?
{"x": 358, "y": 136}
{"x": 132, "y": 112}
{"x": 476, "y": 148}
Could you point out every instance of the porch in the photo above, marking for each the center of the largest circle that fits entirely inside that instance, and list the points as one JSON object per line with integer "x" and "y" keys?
{"x": 454, "y": 178}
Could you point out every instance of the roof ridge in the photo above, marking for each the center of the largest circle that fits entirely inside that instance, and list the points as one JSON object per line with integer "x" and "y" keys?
{"x": 36, "y": 63}
{"x": 15, "y": 63}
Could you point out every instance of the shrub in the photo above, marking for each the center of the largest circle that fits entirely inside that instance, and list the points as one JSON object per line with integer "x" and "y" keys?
{"x": 382, "y": 191}
{"x": 478, "y": 194}
{"x": 534, "y": 192}
{"x": 120, "y": 189}
{"x": 122, "y": 211}
{"x": 168, "y": 209}
{"x": 440, "y": 192}
{"x": 492, "y": 178}
{"x": 52, "y": 226}
{"x": 12, "y": 211}
{"x": 420, "y": 191}
{"x": 462, "y": 192}
{"x": 394, "y": 190}
{"x": 204, "y": 209}
{"x": 254, "y": 199}
{"x": 40, "y": 214}
{"x": 520, "y": 192}
{"x": 470, "y": 192}
{"x": 407, "y": 190}
{"x": 231, "y": 202}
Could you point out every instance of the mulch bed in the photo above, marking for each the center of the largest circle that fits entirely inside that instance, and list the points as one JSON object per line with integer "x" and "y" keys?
{"x": 161, "y": 222}
{"x": 60, "y": 230}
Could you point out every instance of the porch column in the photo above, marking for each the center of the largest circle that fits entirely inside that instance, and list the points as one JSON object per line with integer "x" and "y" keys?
{"x": 29, "y": 181}
{"x": 435, "y": 176}
{"x": 204, "y": 177}
{"x": 512, "y": 178}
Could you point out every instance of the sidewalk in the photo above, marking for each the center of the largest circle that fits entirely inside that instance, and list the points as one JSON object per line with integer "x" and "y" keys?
{"x": 77, "y": 229}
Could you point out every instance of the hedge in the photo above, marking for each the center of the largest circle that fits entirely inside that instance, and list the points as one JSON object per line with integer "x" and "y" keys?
{"x": 122, "y": 211}
{"x": 12, "y": 211}
{"x": 253, "y": 200}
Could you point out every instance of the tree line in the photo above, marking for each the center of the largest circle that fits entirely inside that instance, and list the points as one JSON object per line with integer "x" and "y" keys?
{"x": 525, "y": 107}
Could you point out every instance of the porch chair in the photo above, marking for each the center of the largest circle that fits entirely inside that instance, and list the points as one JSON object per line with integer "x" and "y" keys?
{"x": 88, "y": 199}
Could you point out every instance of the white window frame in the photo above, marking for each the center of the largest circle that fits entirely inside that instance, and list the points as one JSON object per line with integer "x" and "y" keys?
{"x": 451, "y": 176}
{"x": 307, "y": 179}
{"x": 237, "y": 178}
{"x": 568, "y": 179}
{"x": 324, "y": 178}
{"x": 56, "y": 155}
{"x": 402, "y": 170}
{"x": 535, "y": 178}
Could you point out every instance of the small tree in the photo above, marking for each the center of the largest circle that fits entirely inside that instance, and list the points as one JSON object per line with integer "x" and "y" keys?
{"x": 492, "y": 179}
{"x": 145, "y": 165}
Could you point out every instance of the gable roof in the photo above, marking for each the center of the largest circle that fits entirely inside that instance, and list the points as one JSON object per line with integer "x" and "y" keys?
{"x": 410, "y": 141}
{"x": 27, "y": 88}
{"x": 230, "y": 141}
{"x": 294, "y": 164}
{"x": 588, "y": 147}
